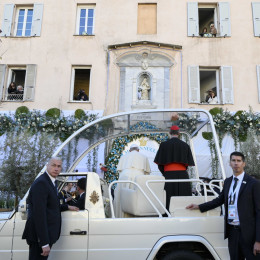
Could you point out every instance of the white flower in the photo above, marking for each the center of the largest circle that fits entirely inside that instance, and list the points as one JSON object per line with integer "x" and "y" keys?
{"x": 237, "y": 117}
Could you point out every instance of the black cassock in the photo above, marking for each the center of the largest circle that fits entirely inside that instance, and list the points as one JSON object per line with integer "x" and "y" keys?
{"x": 174, "y": 151}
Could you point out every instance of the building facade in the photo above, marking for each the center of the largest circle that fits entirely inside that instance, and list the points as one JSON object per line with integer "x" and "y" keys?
{"x": 120, "y": 55}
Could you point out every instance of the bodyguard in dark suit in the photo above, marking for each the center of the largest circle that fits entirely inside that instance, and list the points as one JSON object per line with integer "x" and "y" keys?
{"x": 81, "y": 189}
{"x": 241, "y": 198}
{"x": 43, "y": 224}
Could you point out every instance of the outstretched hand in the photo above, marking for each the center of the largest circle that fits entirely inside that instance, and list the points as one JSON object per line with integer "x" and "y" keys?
{"x": 73, "y": 208}
{"x": 192, "y": 206}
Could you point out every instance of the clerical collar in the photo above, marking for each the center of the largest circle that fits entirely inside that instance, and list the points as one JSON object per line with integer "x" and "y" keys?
{"x": 52, "y": 178}
{"x": 240, "y": 176}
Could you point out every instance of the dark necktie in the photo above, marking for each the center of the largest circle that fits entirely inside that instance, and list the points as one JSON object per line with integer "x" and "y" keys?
{"x": 56, "y": 186}
{"x": 235, "y": 184}
{"x": 232, "y": 199}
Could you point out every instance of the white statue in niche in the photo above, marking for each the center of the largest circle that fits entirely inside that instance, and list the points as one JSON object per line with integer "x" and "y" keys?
{"x": 144, "y": 89}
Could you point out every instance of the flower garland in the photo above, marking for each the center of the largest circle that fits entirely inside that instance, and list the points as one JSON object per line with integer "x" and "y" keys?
{"x": 236, "y": 125}
{"x": 35, "y": 122}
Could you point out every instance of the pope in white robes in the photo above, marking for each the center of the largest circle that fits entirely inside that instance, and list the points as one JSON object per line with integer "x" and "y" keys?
{"x": 130, "y": 165}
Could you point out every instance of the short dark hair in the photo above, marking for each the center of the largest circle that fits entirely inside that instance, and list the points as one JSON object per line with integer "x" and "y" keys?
{"x": 237, "y": 154}
{"x": 82, "y": 183}
{"x": 174, "y": 132}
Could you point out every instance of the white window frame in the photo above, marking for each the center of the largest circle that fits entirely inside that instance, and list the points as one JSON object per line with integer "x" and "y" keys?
{"x": 17, "y": 11}
{"x": 221, "y": 18}
{"x": 224, "y": 84}
{"x": 216, "y": 13}
{"x": 218, "y": 87}
{"x": 87, "y": 7}
{"x": 73, "y": 82}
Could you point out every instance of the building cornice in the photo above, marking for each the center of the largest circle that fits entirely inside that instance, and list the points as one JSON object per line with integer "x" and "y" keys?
{"x": 144, "y": 43}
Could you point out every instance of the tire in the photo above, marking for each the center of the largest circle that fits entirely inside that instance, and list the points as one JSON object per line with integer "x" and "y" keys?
{"x": 182, "y": 255}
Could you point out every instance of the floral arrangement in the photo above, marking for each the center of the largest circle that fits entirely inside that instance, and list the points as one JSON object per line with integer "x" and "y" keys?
{"x": 35, "y": 121}
{"x": 236, "y": 125}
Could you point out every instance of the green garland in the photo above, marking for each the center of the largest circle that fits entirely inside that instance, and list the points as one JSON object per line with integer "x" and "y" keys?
{"x": 35, "y": 121}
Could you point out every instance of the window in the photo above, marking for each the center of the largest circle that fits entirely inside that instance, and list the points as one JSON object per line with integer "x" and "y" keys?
{"x": 256, "y": 18}
{"x": 80, "y": 83}
{"x": 85, "y": 20}
{"x": 202, "y": 16}
{"x": 147, "y": 19}
{"x": 209, "y": 85}
{"x": 20, "y": 82}
{"x": 22, "y": 21}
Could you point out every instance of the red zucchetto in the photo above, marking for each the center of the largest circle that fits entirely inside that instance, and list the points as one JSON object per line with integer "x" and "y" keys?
{"x": 175, "y": 127}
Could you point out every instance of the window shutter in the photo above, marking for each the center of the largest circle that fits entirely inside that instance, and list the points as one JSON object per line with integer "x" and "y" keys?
{"x": 224, "y": 19}
{"x": 227, "y": 85}
{"x": 194, "y": 84}
{"x": 30, "y": 79}
{"x": 7, "y": 21}
{"x": 256, "y": 18}
{"x": 193, "y": 19}
{"x": 37, "y": 20}
{"x": 258, "y": 81}
{"x": 2, "y": 78}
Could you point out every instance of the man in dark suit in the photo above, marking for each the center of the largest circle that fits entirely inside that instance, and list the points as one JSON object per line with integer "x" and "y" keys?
{"x": 241, "y": 198}
{"x": 43, "y": 225}
{"x": 81, "y": 189}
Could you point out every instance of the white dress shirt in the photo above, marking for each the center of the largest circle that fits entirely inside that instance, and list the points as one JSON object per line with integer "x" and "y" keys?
{"x": 240, "y": 178}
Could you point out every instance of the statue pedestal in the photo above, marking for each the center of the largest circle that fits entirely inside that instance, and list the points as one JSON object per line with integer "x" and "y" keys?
{"x": 143, "y": 104}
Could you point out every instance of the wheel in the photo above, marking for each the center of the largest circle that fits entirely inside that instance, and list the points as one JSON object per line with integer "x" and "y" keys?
{"x": 182, "y": 255}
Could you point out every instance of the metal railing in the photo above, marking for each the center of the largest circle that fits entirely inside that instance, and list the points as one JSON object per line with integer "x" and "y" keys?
{"x": 14, "y": 97}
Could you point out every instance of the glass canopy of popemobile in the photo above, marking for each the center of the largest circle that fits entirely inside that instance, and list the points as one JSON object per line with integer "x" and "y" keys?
{"x": 109, "y": 136}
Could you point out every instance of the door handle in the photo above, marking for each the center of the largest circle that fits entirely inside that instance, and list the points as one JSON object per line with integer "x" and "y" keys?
{"x": 82, "y": 233}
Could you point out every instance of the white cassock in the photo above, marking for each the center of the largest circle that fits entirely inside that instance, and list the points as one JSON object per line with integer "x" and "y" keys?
{"x": 130, "y": 165}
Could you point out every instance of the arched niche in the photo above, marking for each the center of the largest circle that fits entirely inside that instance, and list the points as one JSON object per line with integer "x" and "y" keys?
{"x": 134, "y": 66}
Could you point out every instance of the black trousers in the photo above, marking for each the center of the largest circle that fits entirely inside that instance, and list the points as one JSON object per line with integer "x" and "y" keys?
{"x": 176, "y": 188}
{"x": 238, "y": 248}
{"x": 35, "y": 252}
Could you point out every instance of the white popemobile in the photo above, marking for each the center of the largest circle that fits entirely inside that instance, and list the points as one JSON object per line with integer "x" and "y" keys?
{"x": 96, "y": 234}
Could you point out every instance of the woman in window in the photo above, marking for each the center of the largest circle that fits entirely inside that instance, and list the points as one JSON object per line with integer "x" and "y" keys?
{"x": 204, "y": 32}
{"x": 11, "y": 91}
{"x": 212, "y": 98}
